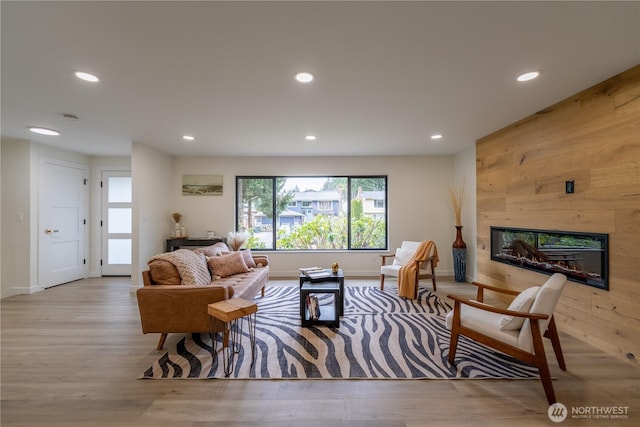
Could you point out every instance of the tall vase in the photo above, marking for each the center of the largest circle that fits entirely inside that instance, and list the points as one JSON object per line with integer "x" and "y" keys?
{"x": 459, "y": 256}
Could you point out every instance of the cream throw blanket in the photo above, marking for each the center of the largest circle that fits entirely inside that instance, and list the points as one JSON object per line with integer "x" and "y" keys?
{"x": 407, "y": 274}
{"x": 191, "y": 266}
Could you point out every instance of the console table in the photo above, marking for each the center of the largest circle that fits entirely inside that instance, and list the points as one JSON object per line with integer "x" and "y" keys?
{"x": 180, "y": 242}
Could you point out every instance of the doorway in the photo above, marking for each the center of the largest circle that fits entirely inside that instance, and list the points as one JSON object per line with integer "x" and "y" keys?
{"x": 62, "y": 195}
{"x": 116, "y": 223}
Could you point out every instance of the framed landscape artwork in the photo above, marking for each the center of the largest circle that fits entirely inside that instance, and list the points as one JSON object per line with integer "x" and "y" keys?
{"x": 202, "y": 185}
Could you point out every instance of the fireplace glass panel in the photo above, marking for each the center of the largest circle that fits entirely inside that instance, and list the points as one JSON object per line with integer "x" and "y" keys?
{"x": 582, "y": 257}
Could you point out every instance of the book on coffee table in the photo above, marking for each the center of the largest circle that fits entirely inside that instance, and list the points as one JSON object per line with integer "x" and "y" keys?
{"x": 305, "y": 270}
{"x": 319, "y": 274}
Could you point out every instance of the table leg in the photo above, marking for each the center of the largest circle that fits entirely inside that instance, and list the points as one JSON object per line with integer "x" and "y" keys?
{"x": 229, "y": 340}
{"x": 252, "y": 321}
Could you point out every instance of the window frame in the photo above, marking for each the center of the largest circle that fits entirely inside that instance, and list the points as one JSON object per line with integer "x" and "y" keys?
{"x": 274, "y": 179}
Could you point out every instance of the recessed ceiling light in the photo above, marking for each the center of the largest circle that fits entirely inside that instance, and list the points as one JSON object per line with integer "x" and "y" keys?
{"x": 310, "y": 137}
{"x": 188, "y": 137}
{"x": 436, "y": 136}
{"x": 44, "y": 131}
{"x": 304, "y": 77}
{"x": 528, "y": 76}
{"x": 86, "y": 76}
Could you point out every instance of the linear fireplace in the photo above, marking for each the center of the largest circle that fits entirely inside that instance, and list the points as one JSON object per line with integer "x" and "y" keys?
{"x": 582, "y": 257}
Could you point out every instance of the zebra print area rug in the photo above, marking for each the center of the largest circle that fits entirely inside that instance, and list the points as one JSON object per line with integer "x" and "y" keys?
{"x": 381, "y": 336}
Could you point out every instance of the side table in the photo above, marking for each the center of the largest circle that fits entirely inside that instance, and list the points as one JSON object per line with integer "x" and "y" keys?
{"x": 334, "y": 278}
{"x": 231, "y": 312}
{"x": 329, "y": 314}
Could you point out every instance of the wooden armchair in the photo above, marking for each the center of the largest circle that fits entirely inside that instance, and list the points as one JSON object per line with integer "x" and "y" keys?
{"x": 517, "y": 330}
{"x": 425, "y": 267}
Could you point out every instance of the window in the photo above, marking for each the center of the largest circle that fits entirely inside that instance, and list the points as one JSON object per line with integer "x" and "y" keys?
{"x": 313, "y": 213}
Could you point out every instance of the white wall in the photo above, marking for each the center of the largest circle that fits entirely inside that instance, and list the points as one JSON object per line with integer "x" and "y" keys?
{"x": 151, "y": 177}
{"x": 15, "y": 201}
{"x": 418, "y": 207}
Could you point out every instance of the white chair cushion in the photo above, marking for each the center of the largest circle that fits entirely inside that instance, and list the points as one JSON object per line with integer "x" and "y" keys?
{"x": 522, "y": 303}
{"x": 402, "y": 257}
{"x": 408, "y": 245}
{"x": 485, "y": 322}
{"x": 545, "y": 303}
{"x": 393, "y": 270}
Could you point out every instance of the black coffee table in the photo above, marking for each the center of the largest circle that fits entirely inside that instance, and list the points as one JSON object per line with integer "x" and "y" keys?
{"x": 333, "y": 284}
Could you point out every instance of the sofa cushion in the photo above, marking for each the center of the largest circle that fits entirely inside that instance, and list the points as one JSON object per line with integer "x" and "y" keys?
{"x": 246, "y": 285}
{"x": 227, "y": 265}
{"x": 248, "y": 258}
{"x": 164, "y": 273}
{"x": 216, "y": 249}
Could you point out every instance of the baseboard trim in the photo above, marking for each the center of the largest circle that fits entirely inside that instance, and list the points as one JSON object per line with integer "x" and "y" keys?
{"x": 21, "y": 290}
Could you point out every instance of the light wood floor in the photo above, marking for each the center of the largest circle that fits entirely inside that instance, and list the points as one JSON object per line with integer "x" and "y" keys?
{"x": 71, "y": 356}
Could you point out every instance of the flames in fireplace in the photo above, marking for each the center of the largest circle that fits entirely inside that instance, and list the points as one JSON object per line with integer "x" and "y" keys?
{"x": 582, "y": 258}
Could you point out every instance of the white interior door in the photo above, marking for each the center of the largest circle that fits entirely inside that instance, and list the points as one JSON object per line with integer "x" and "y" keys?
{"x": 62, "y": 223}
{"x": 116, "y": 223}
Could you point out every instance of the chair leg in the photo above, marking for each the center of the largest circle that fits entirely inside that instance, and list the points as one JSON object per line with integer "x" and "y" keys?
{"x": 382, "y": 282}
{"x": 161, "y": 342}
{"x": 433, "y": 277}
{"x": 453, "y": 343}
{"x": 541, "y": 362}
{"x": 552, "y": 334}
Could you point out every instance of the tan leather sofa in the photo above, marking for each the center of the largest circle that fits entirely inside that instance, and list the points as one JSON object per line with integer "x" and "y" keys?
{"x": 174, "y": 308}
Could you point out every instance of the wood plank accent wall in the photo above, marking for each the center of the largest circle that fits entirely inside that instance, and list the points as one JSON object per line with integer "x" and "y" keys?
{"x": 592, "y": 138}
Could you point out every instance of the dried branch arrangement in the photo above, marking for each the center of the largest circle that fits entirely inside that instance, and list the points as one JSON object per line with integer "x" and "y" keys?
{"x": 456, "y": 197}
{"x": 235, "y": 240}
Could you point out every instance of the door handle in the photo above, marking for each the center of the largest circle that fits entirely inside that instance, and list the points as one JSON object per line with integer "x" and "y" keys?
{"x": 49, "y": 231}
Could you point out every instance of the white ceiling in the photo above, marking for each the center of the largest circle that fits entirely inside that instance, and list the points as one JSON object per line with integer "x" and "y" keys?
{"x": 388, "y": 74}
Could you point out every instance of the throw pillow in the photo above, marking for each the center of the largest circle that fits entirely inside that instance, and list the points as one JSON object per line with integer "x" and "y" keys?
{"x": 402, "y": 257}
{"x": 522, "y": 302}
{"x": 227, "y": 265}
{"x": 191, "y": 266}
{"x": 248, "y": 258}
{"x": 214, "y": 250}
{"x": 164, "y": 273}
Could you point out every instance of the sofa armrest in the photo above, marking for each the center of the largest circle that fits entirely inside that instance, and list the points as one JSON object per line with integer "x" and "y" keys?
{"x": 261, "y": 260}
{"x": 181, "y": 308}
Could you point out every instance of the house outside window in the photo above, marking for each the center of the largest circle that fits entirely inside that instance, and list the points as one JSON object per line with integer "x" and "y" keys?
{"x": 313, "y": 213}
{"x": 324, "y": 205}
